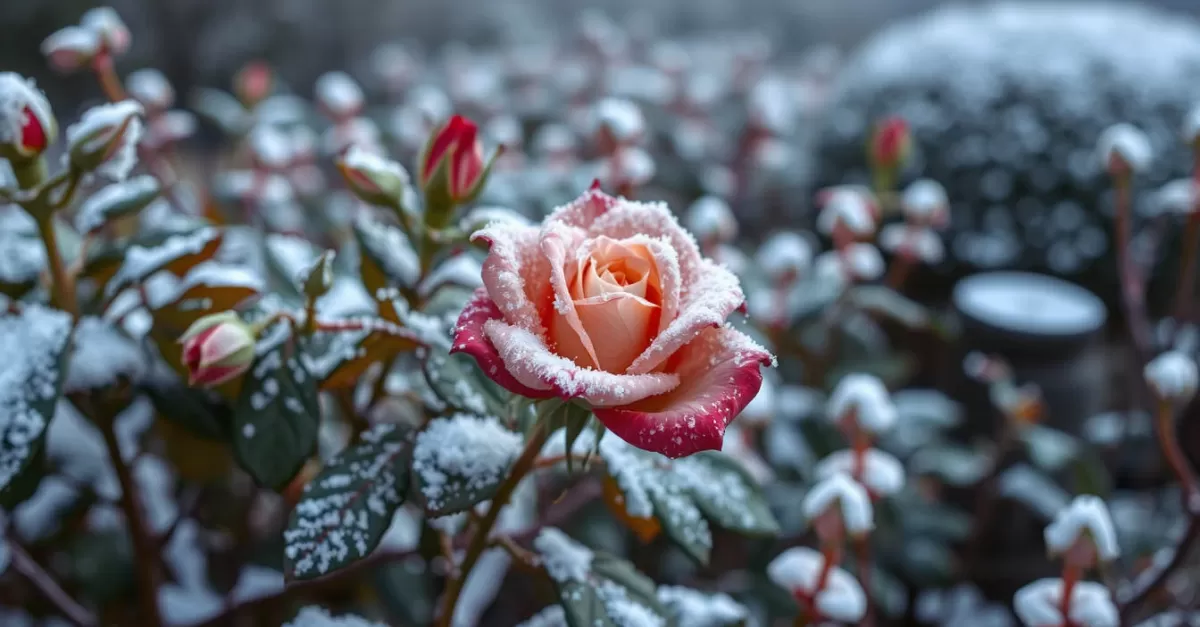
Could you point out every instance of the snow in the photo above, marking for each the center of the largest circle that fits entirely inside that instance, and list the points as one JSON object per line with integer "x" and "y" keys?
{"x": 72, "y": 40}
{"x": 461, "y": 270}
{"x": 564, "y": 559}
{"x": 882, "y": 473}
{"x": 34, "y": 340}
{"x": 339, "y": 94}
{"x": 376, "y": 166}
{"x": 1029, "y": 303}
{"x": 390, "y": 247}
{"x": 783, "y": 254}
{"x": 960, "y": 605}
{"x": 102, "y": 354}
{"x": 624, "y": 611}
{"x": 142, "y": 261}
{"x": 868, "y": 399}
{"x": 848, "y": 206}
{"x": 108, "y": 26}
{"x": 852, "y": 501}
{"x": 798, "y": 570}
{"x": 18, "y": 94}
{"x": 1128, "y": 143}
{"x": 1039, "y": 604}
{"x": 314, "y": 616}
{"x": 98, "y": 127}
{"x": 462, "y": 452}
{"x": 94, "y": 212}
{"x": 1088, "y": 515}
{"x": 271, "y": 146}
{"x": 1033, "y": 489}
{"x": 552, "y": 616}
{"x": 922, "y": 242}
{"x": 22, "y": 255}
{"x": 856, "y": 262}
{"x": 693, "y": 608}
{"x": 291, "y": 253}
{"x": 710, "y": 218}
{"x": 1178, "y": 196}
{"x": 1173, "y": 376}
{"x": 620, "y": 117}
{"x": 151, "y": 88}
{"x": 925, "y": 201}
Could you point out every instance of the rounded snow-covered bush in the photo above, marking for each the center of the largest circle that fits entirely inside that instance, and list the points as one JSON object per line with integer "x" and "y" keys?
{"x": 1006, "y": 103}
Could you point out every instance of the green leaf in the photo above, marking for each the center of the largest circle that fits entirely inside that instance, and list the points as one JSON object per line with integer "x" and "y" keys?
{"x": 581, "y": 605}
{"x": 102, "y": 564}
{"x": 605, "y": 593}
{"x": 575, "y": 419}
{"x": 458, "y": 381}
{"x": 385, "y": 250}
{"x": 114, "y": 201}
{"x": 340, "y": 358}
{"x": 176, "y": 254}
{"x": 348, "y": 506}
{"x": 201, "y": 412}
{"x": 727, "y": 494}
{"x": 682, "y": 520}
{"x": 461, "y": 460}
{"x": 36, "y": 342}
{"x": 277, "y": 415}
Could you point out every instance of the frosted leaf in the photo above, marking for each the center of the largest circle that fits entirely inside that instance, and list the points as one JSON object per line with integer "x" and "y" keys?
{"x": 389, "y": 248}
{"x": 711, "y": 219}
{"x": 798, "y": 570}
{"x": 693, "y": 608}
{"x": 1024, "y": 484}
{"x": 857, "y": 262}
{"x": 290, "y": 253}
{"x": 151, "y": 88}
{"x": 97, "y": 128}
{"x": 195, "y": 291}
{"x": 115, "y": 200}
{"x": 313, "y": 616}
{"x": 885, "y": 301}
{"x": 102, "y": 354}
{"x": 620, "y": 117}
{"x": 552, "y": 616}
{"x": 921, "y": 242}
{"x": 271, "y": 146}
{"x": 1173, "y": 376}
{"x": 563, "y": 558}
{"x": 628, "y": 165}
{"x": 461, "y": 270}
{"x": 1039, "y": 604}
{"x": 925, "y": 202}
{"x": 841, "y": 491}
{"x": 339, "y": 94}
{"x": 461, "y": 460}
{"x": 1087, "y": 515}
{"x": 22, "y": 255}
{"x": 480, "y": 217}
{"x": 346, "y": 509}
{"x": 784, "y": 254}
{"x": 852, "y": 207}
{"x": 865, "y": 399}
{"x": 1126, "y": 142}
{"x": 142, "y": 261}
{"x": 30, "y": 384}
{"x": 882, "y": 473}
{"x": 625, "y": 611}
{"x": 17, "y": 96}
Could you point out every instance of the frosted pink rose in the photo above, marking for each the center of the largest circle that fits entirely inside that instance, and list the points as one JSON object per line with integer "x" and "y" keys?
{"x": 610, "y": 302}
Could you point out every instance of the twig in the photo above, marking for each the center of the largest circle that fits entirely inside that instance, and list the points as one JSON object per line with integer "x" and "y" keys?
{"x": 1182, "y": 549}
{"x": 1132, "y": 285}
{"x": 45, "y": 583}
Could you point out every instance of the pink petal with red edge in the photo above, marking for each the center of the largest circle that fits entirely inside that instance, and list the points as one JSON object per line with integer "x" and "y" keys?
{"x": 583, "y": 211}
{"x": 216, "y": 375}
{"x": 708, "y": 302}
{"x": 516, "y": 274}
{"x": 626, "y": 218}
{"x": 720, "y": 375}
{"x": 532, "y": 364}
{"x": 470, "y": 338}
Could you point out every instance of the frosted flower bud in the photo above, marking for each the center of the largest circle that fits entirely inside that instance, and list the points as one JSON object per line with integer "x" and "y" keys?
{"x": 922, "y": 243}
{"x": 106, "y": 139}
{"x": 798, "y": 570}
{"x": 845, "y": 496}
{"x": 217, "y": 348}
{"x": 253, "y": 83}
{"x": 852, "y": 207}
{"x": 925, "y": 202}
{"x": 170, "y": 127}
{"x": 864, "y": 397}
{"x": 1173, "y": 377}
{"x": 373, "y": 178}
{"x": 857, "y": 262}
{"x": 620, "y": 119}
{"x": 1086, "y": 517}
{"x": 107, "y": 26}
{"x": 881, "y": 473}
{"x": 27, "y": 125}
{"x": 339, "y": 95}
{"x": 71, "y": 48}
{"x": 711, "y": 220}
{"x": 1178, "y": 196}
{"x": 785, "y": 255}
{"x": 1039, "y": 604}
{"x": 1124, "y": 149}
{"x": 271, "y": 147}
{"x": 630, "y": 165}
{"x": 360, "y": 131}
{"x": 151, "y": 88}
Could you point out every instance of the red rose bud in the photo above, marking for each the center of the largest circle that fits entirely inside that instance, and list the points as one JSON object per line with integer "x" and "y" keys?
{"x": 253, "y": 83}
{"x": 70, "y": 48}
{"x": 27, "y": 125}
{"x": 453, "y": 166}
{"x": 217, "y": 348}
{"x": 891, "y": 143}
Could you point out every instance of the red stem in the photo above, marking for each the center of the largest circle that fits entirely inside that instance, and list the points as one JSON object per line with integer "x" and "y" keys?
{"x": 1132, "y": 287}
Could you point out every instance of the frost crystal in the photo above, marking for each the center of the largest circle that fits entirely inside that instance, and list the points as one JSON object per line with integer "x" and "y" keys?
{"x": 462, "y": 453}
{"x": 33, "y": 341}
{"x": 102, "y": 353}
{"x": 1088, "y": 515}
{"x": 798, "y": 570}
{"x": 97, "y": 128}
{"x": 1128, "y": 143}
{"x": 1173, "y": 376}
{"x": 1039, "y": 604}
{"x": 882, "y": 473}
{"x": 564, "y": 559}
{"x": 692, "y": 608}
{"x": 841, "y": 491}
{"x": 313, "y": 616}
{"x": 866, "y": 397}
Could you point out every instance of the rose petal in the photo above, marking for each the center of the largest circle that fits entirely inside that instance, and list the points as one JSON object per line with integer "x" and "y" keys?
{"x": 627, "y": 219}
{"x": 515, "y": 273}
{"x": 583, "y": 211}
{"x": 669, "y": 280}
{"x": 571, "y": 340}
{"x": 470, "y": 338}
{"x": 708, "y": 302}
{"x": 215, "y": 375}
{"x": 720, "y": 374}
{"x": 623, "y": 322}
{"x": 532, "y": 364}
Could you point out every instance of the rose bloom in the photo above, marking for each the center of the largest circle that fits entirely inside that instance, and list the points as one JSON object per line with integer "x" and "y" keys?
{"x": 610, "y": 302}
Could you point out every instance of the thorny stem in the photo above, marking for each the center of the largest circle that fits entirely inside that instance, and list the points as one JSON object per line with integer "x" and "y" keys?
{"x": 1165, "y": 426}
{"x": 24, "y": 563}
{"x": 479, "y": 541}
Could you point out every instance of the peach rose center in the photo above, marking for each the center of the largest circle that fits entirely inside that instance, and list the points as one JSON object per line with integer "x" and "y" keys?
{"x": 616, "y": 298}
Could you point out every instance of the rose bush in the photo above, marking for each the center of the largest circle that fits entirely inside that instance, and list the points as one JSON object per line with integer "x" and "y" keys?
{"x": 610, "y": 303}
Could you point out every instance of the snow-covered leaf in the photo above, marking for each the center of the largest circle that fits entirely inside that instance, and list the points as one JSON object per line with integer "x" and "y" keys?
{"x": 176, "y": 254}
{"x": 388, "y": 258}
{"x": 201, "y": 412}
{"x": 348, "y": 354}
{"x": 460, "y": 461}
{"x": 694, "y": 608}
{"x": 102, "y": 355}
{"x": 36, "y": 342}
{"x": 277, "y": 415}
{"x": 727, "y": 494}
{"x": 1049, "y": 449}
{"x": 458, "y": 381}
{"x": 348, "y": 506}
{"x": 208, "y": 288}
{"x": 114, "y": 201}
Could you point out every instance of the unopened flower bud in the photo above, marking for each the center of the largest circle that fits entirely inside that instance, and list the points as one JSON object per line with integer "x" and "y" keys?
{"x": 316, "y": 279}
{"x": 1124, "y": 150}
{"x": 27, "y": 124}
{"x": 253, "y": 83}
{"x": 217, "y": 348}
{"x": 452, "y": 165}
{"x": 844, "y": 501}
{"x": 374, "y": 178}
{"x": 105, "y": 139}
{"x": 339, "y": 95}
{"x": 71, "y": 48}
{"x": 891, "y": 143}
{"x": 1083, "y": 531}
{"x": 151, "y": 88}
{"x": 1173, "y": 377}
{"x": 109, "y": 29}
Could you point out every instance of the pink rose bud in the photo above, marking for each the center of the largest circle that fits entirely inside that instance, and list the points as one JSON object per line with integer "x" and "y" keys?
{"x": 454, "y": 158}
{"x": 891, "y": 143}
{"x": 217, "y": 348}
{"x": 27, "y": 125}
{"x": 253, "y": 83}
{"x": 70, "y": 48}
{"x": 107, "y": 26}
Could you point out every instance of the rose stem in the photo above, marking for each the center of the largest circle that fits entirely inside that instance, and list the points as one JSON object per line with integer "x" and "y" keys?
{"x": 63, "y": 288}
{"x": 864, "y": 577}
{"x": 479, "y": 541}
{"x": 24, "y": 563}
{"x": 1165, "y": 426}
{"x": 1070, "y": 577}
{"x": 902, "y": 264}
{"x": 1187, "y": 261}
{"x": 1131, "y": 284}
